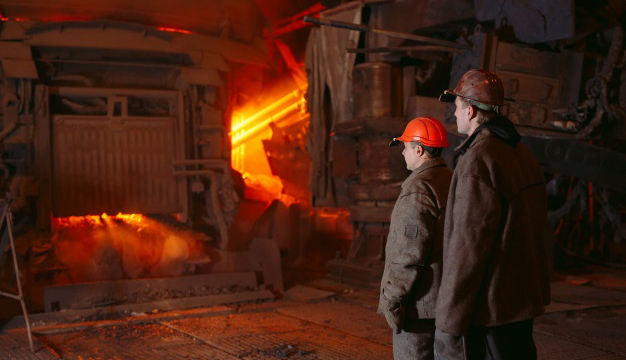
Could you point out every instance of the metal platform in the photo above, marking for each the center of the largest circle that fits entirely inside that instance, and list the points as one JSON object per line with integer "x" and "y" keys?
{"x": 337, "y": 323}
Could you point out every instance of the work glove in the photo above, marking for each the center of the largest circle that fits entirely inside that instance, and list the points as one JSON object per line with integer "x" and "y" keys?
{"x": 449, "y": 347}
{"x": 394, "y": 314}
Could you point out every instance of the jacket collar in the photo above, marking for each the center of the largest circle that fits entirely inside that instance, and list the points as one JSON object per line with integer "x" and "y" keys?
{"x": 500, "y": 127}
{"x": 428, "y": 164}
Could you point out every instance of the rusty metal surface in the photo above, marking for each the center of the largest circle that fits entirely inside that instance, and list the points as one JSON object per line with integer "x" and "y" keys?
{"x": 534, "y": 20}
{"x": 376, "y": 192}
{"x": 552, "y": 347}
{"x": 111, "y": 165}
{"x": 343, "y": 326}
{"x": 238, "y": 18}
{"x": 410, "y": 16}
{"x": 600, "y": 165}
{"x": 349, "y": 318}
{"x": 253, "y": 335}
{"x": 270, "y": 335}
{"x": 13, "y": 345}
{"x": 87, "y": 295}
{"x": 377, "y": 90}
{"x": 584, "y": 335}
{"x": 116, "y": 311}
{"x": 425, "y": 106}
{"x": 363, "y": 126}
{"x": 537, "y": 82}
{"x": 151, "y": 341}
{"x": 345, "y": 157}
{"x": 380, "y": 163}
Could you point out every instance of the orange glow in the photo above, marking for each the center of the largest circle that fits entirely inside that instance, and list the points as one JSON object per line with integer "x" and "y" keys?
{"x": 79, "y": 18}
{"x": 250, "y": 125}
{"x": 247, "y": 127}
{"x": 174, "y": 30}
{"x": 94, "y": 220}
{"x": 265, "y": 188}
{"x": 108, "y": 247}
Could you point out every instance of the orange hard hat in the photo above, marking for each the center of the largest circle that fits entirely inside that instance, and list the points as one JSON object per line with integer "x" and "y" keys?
{"x": 481, "y": 88}
{"x": 428, "y": 131}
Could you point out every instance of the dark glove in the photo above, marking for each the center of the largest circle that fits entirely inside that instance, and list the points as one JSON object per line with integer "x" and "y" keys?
{"x": 394, "y": 314}
{"x": 449, "y": 347}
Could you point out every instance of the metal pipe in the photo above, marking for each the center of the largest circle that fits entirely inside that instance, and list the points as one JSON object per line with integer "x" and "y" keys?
{"x": 217, "y": 163}
{"x": 215, "y": 204}
{"x": 9, "y": 295}
{"x": 217, "y": 208}
{"x": 192, "y": 172}
{"x": 365, "y": 28}
{"x": 9, "y": 220}
{"x": 404, "y": 49}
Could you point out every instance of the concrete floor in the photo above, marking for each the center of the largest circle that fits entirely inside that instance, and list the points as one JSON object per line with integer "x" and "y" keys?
{"x": 321, "y": 320}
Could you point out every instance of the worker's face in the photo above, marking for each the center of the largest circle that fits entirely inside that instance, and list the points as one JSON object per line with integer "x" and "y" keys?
{"x": 411, "y": 156}
{"x": 462, "y": 115}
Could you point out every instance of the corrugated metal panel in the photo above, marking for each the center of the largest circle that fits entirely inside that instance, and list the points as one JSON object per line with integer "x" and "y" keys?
{"x": 111, "y": 165}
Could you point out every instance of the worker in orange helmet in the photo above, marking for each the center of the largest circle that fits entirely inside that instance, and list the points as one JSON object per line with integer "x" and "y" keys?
{"x": 408, "y": 289}
{"x": 495, "y": 254}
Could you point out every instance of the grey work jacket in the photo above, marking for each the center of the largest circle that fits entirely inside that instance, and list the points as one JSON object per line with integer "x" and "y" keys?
{"x": 414, "y": 245}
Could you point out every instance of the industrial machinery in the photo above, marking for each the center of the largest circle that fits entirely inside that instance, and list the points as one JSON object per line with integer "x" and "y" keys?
{"x": 385, "y": 63}
{"x": 130, "y": 117}
{"x": 142, "y": 116}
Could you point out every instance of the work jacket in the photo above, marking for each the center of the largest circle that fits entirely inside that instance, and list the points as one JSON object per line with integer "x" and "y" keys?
{"x": 413, "y": 250}
{"x": 495, "y": 255}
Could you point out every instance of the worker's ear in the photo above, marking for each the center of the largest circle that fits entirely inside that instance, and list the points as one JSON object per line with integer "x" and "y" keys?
{"x": 419, "y": 150}
{"x": 471, "y": 111}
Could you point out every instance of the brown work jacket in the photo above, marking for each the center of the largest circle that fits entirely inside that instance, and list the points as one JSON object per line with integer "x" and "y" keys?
{"x": 414, "y": 245}
{"x": 495, "y": 255}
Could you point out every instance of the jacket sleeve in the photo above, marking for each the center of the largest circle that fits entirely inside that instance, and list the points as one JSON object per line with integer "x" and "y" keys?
{"x": 472, "y": 225}
{"x": 409, "y": 247}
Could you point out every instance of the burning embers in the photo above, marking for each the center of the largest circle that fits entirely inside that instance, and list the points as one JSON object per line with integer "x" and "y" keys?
{"x": 125, "y": 246}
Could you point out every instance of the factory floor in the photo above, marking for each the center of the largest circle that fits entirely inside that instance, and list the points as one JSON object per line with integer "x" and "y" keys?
{"x": 321, "y": 319}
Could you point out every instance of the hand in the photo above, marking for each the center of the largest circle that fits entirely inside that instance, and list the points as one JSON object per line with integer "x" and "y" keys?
{"x": 394, "y": 314}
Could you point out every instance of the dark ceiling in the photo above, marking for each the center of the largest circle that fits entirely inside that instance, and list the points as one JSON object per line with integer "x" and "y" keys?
{"x": 242, "y": 19}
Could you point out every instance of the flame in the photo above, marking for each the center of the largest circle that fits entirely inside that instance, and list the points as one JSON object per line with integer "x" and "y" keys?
{"x": 108, "y": 247}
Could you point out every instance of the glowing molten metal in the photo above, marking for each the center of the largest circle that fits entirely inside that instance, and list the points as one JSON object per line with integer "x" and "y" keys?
{"x": 105, "y": 247}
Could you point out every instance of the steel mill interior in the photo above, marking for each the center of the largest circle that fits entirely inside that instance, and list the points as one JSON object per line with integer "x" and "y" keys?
{"x": 211, "y": 179}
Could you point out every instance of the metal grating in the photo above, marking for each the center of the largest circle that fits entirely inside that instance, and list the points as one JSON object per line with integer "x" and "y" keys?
{"x": 113, "y": 164}
{"x": 550, "y": 347}
{"x": 251, "y": 336}
{"x": 273, "y": 336}
{"x": 140, "y": 342}
{"x": 14, "y": 345}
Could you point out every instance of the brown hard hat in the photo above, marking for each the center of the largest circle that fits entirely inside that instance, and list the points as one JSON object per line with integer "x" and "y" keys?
{"x": 428, "y": 131}
{"x": 481, "y": 88}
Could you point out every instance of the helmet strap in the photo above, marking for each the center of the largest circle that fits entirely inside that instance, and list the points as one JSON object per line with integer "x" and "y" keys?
{"x": 486, "y": 107}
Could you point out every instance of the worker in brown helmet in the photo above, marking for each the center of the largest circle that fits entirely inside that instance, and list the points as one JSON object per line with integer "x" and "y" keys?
{"x": 495, "y": 254}
{"x": 408, "y": 290}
